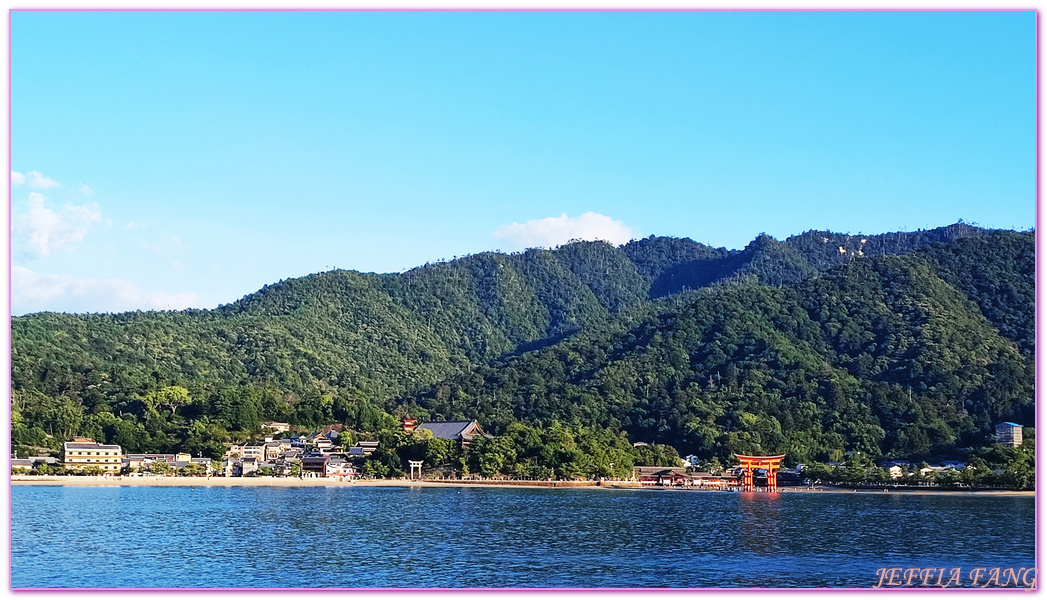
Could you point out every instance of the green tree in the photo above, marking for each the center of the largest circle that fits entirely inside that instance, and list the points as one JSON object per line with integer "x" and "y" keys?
{"x": 171, "y": 397}
{"x": 159, "y": 467}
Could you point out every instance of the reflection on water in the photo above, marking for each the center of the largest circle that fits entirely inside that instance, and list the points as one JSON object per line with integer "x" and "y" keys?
{"x": 477, "y": 537}
{"x": 759, "y": 531}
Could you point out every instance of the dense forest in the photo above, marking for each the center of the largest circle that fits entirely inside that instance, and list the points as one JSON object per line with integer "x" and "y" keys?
{"x": 901, "y": 345}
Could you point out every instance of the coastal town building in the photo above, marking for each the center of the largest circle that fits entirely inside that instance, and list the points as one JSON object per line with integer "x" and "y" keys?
{"x": 23, "y": 465}
{"x": 1009, "y": 434}
{"x": 229, "y": 466}
{"x": 321, "y": 441}
{"x": 84, "y": 452}
{"x": 31, "y": 462}
{"x": 662, "y": 476}
{"x": 248, "y": 466}
{"x": 255, "y": 450}
{"x": 276, "y": 426}
{"x": 274, "y": 449}
{"x": 317, "y": 465}
{"x": 284, "y": 467}
{"x": 367, "y": 448}
{"x": 339, "y": 467}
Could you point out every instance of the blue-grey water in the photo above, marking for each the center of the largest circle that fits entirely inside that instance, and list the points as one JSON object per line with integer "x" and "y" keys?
{"x": 369, "y": 537}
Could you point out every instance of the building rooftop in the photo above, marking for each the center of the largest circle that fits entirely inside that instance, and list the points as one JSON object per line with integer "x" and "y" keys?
{"x": 90, "y": 446}
{"x": 452, "y": 430}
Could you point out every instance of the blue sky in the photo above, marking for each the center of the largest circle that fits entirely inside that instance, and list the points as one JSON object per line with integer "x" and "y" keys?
{"x": 184, "y": 159}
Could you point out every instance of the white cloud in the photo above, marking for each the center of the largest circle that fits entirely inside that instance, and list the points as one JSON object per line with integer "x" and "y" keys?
{"x": 39, "y": 181}
{"x": 553, "y": 231}
{"x": 85, "y": 189}
{"x": 34, "y": 292}
{"x": 40, "y": 231}
{"x": 17, "y": 178}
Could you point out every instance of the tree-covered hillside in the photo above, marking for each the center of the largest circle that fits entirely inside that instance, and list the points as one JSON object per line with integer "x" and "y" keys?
{"x": 880, "y": 355}
{"x": 902, "y": 344}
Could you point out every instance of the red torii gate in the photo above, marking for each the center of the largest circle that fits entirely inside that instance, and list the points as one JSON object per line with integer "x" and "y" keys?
{"x": 750, "y": 463}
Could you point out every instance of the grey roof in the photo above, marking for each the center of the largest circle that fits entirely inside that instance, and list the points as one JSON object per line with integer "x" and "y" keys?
{"x": 165, "y": 457}
{"x": 21, "y": 462}
{"x": 448, "y": 430}
{"x": 660, "y": 471}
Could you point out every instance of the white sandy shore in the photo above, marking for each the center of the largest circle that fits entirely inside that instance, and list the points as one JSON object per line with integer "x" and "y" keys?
{"x": 119, "y": 481}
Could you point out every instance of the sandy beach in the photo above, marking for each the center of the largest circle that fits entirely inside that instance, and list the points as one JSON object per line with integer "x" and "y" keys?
{"x": 123, "y": 481}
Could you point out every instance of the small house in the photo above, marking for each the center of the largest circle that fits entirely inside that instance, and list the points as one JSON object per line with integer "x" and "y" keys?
{"x": 339, "y": 467}
{"x": 248, "y": 466}
{"x": 316, "y": 464}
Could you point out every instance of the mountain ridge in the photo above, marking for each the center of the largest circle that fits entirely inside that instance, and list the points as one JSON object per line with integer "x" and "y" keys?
{"x": 317, "y": 348}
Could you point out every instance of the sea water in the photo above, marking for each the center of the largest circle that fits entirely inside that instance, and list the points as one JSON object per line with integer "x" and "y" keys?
{"x": 415, "y": 537}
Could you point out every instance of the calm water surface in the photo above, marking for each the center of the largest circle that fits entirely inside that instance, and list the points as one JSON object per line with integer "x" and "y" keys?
{"x": 141, "y": 537}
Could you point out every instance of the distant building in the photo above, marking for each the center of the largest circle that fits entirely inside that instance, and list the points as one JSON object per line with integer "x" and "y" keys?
{"x": 22, "y": 464}
{"x": 317, "y": 465}
{"x": 276, "y": 448}
{"x": 1009, "y": 434}
{"x": 463, "y": 432}
{"x": 248, "y": 466}
{"x": 134, "y": 462}
{"x": 339, "y": 467}
{"x": 254, "y": 450}
{"x": 365, "y": 448}
{"x": 276, "y": 426}
{"x": 321, "y": 441}
{"x": 662, "y": 476}
{"x": 85, "y": 452}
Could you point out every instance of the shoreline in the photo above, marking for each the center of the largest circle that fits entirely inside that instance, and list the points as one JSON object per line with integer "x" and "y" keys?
{"x": 193, "y": 482}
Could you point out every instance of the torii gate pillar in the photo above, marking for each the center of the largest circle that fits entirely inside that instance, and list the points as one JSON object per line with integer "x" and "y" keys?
{"x": 768, "y": 463}
{"x": 416, "y": 464}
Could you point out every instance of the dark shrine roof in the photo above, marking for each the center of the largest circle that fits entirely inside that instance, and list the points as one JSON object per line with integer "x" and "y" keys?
{"x": 448, "y": 430}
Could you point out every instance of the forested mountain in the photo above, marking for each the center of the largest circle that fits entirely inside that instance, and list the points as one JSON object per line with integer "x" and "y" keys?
{"x": 901, "y": 343}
